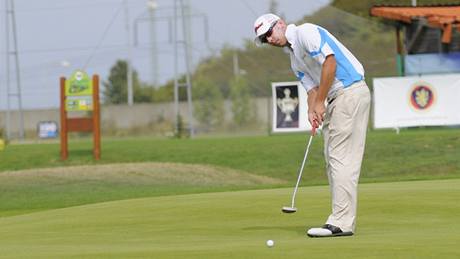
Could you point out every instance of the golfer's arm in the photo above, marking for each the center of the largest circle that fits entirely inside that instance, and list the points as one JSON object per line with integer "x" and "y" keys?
{"x": 311, "y": 97}
{"x": 327, "y": 78}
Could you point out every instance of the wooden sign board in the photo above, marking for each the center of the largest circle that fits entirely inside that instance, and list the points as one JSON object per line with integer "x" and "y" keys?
{"x": 79, "y": 93}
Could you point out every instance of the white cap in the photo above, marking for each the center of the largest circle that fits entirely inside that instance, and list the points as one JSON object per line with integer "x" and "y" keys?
{"x": 263, "y": 24}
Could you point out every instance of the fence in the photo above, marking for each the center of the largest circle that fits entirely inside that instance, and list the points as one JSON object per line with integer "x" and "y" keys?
{"x": 150, "y": 119}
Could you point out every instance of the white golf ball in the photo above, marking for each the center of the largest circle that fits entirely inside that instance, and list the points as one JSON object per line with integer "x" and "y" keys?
{"x": 270, "y": 243}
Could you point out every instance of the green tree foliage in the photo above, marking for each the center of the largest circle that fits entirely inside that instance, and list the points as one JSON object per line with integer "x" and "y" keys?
{"x": 208, "y": 102}
{"x": 164, "y": 94}
{"x": 241, "y": 100}
{"x": 115, "y": 90}
{"x": 143, "y": 93}
{"x": 262, "y": 65}
{"x": 372, "y": 42}
{"x": 181, "y": 131}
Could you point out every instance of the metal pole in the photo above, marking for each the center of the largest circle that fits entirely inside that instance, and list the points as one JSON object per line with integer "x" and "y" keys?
{"x": 188, "y": 60}
{"x": 18, "y": 73}
{"x": 153, "y": 43}
{"x": 129, "y": 59}
{"x": 206, "y": 33}
{"x": 176, "y": 83}
{"x": 187, "y": 32}
{"x": 8, "y": 79}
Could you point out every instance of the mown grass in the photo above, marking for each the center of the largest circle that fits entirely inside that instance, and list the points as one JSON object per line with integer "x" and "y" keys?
{"x": 395, "y": 220}
{"x": 411, "y": 155}
{"x": 28, "y": 191}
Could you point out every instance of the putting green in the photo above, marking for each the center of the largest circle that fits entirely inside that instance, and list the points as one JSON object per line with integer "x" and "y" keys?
{"x": 396, "y": 220}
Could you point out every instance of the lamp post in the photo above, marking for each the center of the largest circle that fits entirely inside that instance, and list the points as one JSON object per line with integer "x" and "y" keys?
{"x": 129, "y": 69}
{"x": 152, "y": 6}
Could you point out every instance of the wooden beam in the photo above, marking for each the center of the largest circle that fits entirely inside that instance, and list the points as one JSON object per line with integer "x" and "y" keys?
{"x": 79, "y": 125}
{"x": 96, "y": 119}
{"x": 63, "y": 132}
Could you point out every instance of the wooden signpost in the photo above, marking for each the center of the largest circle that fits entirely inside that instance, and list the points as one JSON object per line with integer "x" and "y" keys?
{"x": 80, "y": 94}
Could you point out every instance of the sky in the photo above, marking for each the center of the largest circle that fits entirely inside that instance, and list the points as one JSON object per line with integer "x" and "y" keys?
{"x": 56, "y": 37}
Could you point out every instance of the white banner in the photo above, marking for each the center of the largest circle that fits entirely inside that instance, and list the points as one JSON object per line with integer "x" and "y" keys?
{"x": 432, "y": 100}
{"x": 290, "y": 108}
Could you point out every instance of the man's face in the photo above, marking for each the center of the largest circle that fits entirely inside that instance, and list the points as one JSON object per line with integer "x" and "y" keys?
{"x": 276, "y": 35}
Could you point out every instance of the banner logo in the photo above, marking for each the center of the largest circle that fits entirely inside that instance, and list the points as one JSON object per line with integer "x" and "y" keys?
{"x": 422, "y": 96}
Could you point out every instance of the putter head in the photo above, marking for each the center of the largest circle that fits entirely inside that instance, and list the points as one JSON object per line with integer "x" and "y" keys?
{"x": 289, "y": 209}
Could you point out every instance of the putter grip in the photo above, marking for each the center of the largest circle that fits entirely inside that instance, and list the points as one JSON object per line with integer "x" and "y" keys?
{"x": 313, "y": 128}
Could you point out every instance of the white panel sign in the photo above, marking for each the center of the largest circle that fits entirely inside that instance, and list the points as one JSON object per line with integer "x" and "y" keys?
{"x": 290, "y": 108}
{"x": 417, "y": 101}
{"x": 47, "y": 129}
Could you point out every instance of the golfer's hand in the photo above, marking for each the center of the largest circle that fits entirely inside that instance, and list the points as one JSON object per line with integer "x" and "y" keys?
{"x": 319, "y": 109}
{"x": 313, "y": 122}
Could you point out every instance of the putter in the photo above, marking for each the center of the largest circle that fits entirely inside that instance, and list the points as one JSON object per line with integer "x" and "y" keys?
{"x": 292, "y": 208}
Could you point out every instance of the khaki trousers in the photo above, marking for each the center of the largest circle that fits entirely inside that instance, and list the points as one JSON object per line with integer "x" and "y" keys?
{"x": 344, "y": 131}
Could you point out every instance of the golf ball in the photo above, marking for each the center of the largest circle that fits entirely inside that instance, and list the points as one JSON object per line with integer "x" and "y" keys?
{"x": 270, "y": 243}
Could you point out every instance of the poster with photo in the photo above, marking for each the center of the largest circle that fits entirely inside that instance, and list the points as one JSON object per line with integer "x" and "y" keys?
{"x": 289, "y": 107}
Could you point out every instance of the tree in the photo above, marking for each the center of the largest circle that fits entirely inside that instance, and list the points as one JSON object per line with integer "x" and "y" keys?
{"x": 143, "y": 93}
{"x": 345, "y": 19}
{"x": 241, "y": 100}
{"x": 115, "y": 90}
{"x": 164, "y": 93}
{"x": 208, "y": 103}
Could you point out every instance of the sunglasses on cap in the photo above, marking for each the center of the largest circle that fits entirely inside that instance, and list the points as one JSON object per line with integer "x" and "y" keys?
{"x": 263, "y": 37}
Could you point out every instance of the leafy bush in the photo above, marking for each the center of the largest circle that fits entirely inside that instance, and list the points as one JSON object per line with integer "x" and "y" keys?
{"x": 241, "y": 100}
{"x": 208, "y": 103}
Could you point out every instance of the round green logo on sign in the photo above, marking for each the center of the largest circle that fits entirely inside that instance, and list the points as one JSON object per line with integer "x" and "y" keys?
{"x": 79, "y": 84}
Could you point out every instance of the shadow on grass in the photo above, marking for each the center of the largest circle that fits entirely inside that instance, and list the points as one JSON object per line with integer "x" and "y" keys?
{"x": 298, "y": 229}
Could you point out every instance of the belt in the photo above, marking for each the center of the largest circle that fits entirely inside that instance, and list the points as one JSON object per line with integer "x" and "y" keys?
{"x": 330, "y": 100}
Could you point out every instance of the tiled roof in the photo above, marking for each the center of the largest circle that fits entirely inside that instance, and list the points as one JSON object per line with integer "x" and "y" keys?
{"x": 445, "y": 17}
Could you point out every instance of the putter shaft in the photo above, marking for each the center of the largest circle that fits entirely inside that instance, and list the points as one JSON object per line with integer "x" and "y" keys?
{"x": 300, "y": 172}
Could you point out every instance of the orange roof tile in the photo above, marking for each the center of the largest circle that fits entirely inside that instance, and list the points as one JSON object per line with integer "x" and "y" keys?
{"x": 406, "y": 14}
{"x": 443, "y": 17}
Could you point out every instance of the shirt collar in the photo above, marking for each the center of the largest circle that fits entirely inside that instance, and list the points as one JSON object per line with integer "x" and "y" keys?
{"x": 291, "y": 32}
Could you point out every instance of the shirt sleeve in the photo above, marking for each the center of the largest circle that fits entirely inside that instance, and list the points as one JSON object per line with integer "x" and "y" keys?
{"x": 306, "y": 80}
{"x": 315, "y": 41}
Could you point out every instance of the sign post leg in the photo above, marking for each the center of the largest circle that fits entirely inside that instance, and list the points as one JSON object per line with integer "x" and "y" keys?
{"x": 63, "y": 133}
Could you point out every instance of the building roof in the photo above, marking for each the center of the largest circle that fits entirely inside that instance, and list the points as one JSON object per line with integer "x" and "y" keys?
{"x": 445, "y": 17}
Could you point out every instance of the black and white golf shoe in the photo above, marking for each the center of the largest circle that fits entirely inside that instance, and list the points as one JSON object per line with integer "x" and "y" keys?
{"x": 328, "y": 231}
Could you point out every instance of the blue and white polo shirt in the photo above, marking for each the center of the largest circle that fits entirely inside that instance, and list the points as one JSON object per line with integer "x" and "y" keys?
{"x": 310, "y": 45}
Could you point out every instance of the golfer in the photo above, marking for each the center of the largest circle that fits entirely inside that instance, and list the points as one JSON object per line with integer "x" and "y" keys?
{"x": 338, "y": 99}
